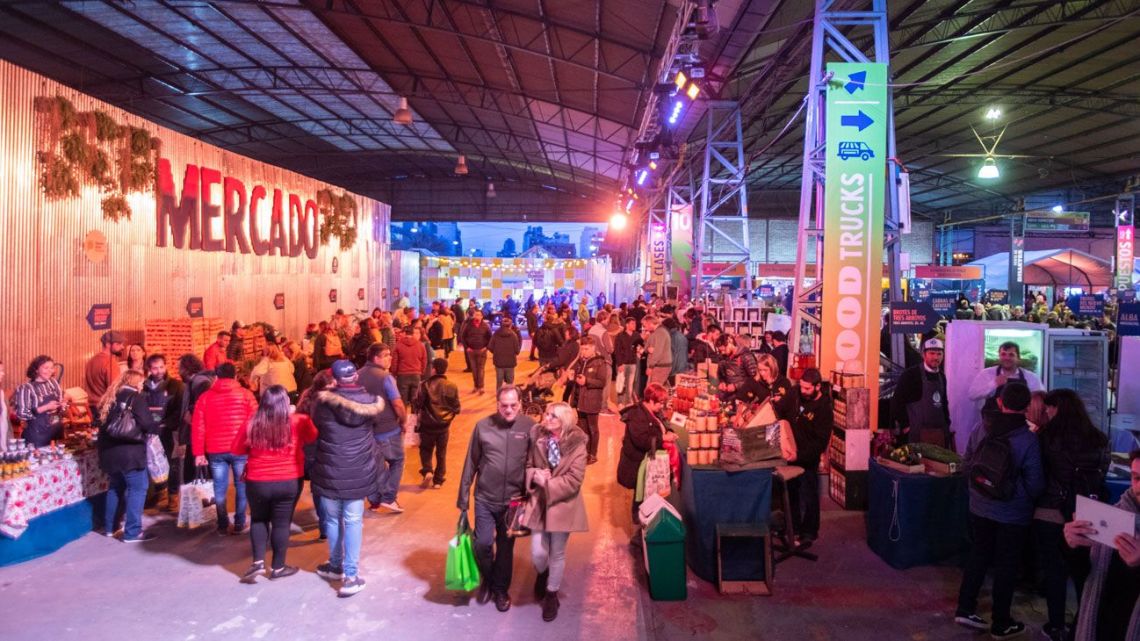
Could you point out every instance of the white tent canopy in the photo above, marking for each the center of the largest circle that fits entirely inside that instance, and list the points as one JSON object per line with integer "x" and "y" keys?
{"x": 1050, "y": 267}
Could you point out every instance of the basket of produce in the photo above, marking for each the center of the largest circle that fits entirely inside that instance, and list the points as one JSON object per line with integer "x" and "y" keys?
{"x": 938, "y": 461}
{"x": 903, "y": 459}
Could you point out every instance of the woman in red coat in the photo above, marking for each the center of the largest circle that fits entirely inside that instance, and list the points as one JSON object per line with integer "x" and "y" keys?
{"x": 274, "y": 440}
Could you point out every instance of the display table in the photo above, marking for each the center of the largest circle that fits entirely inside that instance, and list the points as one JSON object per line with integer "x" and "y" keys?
{"x": 43, "y": 510}
{"x": 713, "y": 496}
{"x": 916, "y": 519}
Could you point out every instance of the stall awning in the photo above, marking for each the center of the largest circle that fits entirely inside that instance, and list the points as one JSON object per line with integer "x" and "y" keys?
{"x": 1055, "y": 267}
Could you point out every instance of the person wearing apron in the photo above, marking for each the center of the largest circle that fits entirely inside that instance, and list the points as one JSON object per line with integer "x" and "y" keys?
{"x": 989, "y": 382}
{"x": 919, "y": 406}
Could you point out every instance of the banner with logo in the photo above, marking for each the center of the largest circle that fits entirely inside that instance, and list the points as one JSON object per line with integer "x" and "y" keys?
{"x": 681, "y": 249}
{"x": 1125, "y": 255}
{"x": 855, "y": 202}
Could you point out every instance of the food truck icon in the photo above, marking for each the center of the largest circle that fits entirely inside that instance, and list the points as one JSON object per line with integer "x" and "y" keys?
{"x": 850, "y": 149}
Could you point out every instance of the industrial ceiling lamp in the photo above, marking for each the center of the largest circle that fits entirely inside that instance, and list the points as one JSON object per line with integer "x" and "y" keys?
{"x": 618, "y": 221}
{"x": 403, "y": 115}
{"x": 989, "y": 169}
{"x": 461, "y": 166}
{"x": 491, "y": 189}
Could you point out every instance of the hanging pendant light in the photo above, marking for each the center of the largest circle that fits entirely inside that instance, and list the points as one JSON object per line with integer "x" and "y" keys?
{"x": 461, "y": 166}
{"x": 403, "y": 115}
{"x": 491, "y": 189}
{"x": 989, "y": 169}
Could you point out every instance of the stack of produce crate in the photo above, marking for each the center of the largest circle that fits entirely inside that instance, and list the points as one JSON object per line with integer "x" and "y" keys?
{"x": 177, "y": 336}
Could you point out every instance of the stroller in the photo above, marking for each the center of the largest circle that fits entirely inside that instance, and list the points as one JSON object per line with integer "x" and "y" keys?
{"x": 537, "y": 394}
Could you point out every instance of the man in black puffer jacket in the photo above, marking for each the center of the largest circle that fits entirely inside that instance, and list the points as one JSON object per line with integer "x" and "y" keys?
{"x": 345, "y": 471}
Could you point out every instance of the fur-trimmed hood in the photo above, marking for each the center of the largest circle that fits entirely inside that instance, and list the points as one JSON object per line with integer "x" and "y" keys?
{"x": 351, "y": 405}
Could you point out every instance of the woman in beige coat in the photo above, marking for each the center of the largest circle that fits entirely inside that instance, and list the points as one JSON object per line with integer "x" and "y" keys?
{"x": 555, "y": 469}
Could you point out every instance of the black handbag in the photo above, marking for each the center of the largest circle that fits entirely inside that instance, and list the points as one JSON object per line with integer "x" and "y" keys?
{"x": 124, "y": 427}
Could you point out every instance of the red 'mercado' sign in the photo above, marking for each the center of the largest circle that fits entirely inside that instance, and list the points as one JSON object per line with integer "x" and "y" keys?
{"x": 247, "y": 219}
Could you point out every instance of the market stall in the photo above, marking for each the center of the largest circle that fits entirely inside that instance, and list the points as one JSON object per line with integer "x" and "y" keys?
{"x": 718, "y": 493}
{"x": 48, "y": 498}
{"x": 916, "y": 518}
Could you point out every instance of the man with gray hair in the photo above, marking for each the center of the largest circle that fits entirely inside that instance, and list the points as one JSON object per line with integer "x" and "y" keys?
{"x": 496, "y": 463}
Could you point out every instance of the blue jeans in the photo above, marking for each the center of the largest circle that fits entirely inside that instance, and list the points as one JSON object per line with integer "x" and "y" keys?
{"x": 389, "y": 451}
{"x": 344, "y": 524}
{"x": 128, "y": 488}
{"x": 220, "y": 466}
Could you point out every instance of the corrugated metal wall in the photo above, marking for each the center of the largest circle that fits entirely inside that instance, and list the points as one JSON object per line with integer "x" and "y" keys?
{"x": 49, "y": 284}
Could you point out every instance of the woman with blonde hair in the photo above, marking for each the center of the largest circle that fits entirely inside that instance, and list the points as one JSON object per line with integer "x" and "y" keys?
{"x": 124, "y": 460}
{"x": 274, "y": 369}
{"x": 555, "y": 469}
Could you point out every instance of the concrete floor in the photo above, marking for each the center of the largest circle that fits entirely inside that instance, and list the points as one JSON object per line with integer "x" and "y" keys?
{"x": 184, "y": 584}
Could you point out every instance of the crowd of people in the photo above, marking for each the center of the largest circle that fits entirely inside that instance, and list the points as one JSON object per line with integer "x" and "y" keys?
{"x": 334, "y": 406}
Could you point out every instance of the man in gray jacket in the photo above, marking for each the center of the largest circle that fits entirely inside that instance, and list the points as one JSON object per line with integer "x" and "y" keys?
{"x": 496, "y": 462}
{"x": 659, "y": 363}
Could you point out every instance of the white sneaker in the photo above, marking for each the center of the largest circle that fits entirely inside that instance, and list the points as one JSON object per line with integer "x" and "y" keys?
{"x": 351, "y": 586}
{"x": 393, "y": 507}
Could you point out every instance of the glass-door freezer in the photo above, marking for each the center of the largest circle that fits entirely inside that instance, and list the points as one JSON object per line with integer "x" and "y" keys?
{"x": 1078, "y": 360}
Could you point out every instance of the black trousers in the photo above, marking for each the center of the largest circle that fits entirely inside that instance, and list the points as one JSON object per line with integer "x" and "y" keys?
{"x": 494, "y": 550}
{"x": 271, "y": 505}
{"x": 434, "y": 442}
{"x": 999, "y": 545}
{"x": 589, "y": 425}
{"x": 804, "y": 495}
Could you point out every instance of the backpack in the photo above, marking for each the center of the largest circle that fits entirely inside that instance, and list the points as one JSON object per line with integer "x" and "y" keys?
{"x": 993, "y": 470}
{"x": 1087, "y": 480}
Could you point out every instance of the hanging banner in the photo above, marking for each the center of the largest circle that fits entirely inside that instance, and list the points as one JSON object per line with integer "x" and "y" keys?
{"x": 1016, "y": 281}
{"x": 953, "y": 272}
{"x": 855, "y": 200}
{"x": 1128, "y": 319}
{"x": 1125, "y": 255}
{"x": 658, "y": 252}
{"x": 681, "y": 249}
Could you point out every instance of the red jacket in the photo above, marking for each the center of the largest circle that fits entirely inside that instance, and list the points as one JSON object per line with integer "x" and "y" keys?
{"x": 215, "y": 355}
{"x": 409, "y": 356}
{"x": 221, "y": 411}
{"x": 286, "y": 464}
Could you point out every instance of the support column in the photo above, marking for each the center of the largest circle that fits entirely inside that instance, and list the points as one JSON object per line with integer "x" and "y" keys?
{"x": 722, "y": 235}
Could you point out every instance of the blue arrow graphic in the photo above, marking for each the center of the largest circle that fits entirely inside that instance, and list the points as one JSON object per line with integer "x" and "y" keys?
{"x": 862, "y": 121}
{"x": 858, "y": 79}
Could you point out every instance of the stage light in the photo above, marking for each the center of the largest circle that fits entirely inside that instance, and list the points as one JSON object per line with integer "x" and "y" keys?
{"x": 641, "y": 176}
{"x": 989, "y": 169}
{"x": 653, "y": 165}
{"x": 693, "y": 91}
{"x": 675, "y": 114}
{"x": 618, "y": 220}
{"x": 680, "y": 80}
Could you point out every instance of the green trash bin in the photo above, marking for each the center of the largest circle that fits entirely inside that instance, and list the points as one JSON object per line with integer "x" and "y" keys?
{"x": 665, "y": 557}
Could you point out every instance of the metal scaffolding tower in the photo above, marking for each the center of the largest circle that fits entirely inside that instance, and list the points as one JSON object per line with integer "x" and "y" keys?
{"x": 722, "y": 235}
{"x": 829, "y": 35}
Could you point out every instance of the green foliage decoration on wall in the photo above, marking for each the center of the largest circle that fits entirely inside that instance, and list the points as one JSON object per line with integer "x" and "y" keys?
{"x": 338, "y": 218}
{"x": 90, "y": 148}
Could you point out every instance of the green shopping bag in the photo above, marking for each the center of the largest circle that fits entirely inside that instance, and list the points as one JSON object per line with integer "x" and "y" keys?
{"x": 462, "y": 571}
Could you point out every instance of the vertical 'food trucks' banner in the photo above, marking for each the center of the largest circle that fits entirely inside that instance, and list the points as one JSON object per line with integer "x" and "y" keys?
{"x": 855, "y": 200}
